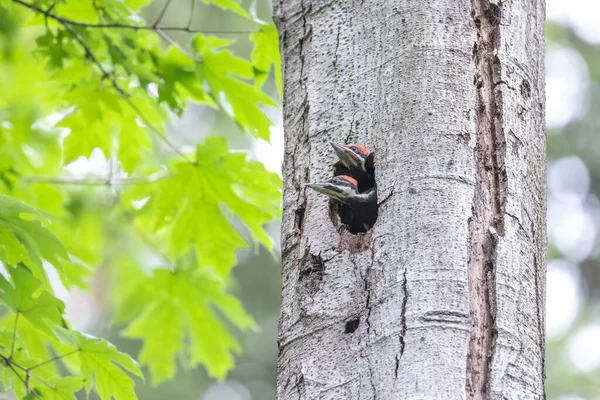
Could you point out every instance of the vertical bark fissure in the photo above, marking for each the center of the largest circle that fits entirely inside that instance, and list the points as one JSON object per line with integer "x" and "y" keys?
{"x": 540, "y": 321}
{"x": 368, "y": 303}
{"x": 486, "y": 224}
{"x": 403, "y": 314}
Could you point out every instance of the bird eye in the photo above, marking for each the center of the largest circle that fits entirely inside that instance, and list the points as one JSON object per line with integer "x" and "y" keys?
{"x": 353, "y": 148}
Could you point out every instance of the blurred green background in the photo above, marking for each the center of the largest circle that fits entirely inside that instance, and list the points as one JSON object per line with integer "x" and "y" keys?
{"x": 573, "y": 287}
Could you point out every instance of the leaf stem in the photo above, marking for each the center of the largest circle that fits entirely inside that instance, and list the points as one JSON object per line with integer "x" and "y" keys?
{"x": 168, "y": 39}
{"x": 14, "y": 338}
{"x": 54, "y": 359}
{"x": 23, "y": 380}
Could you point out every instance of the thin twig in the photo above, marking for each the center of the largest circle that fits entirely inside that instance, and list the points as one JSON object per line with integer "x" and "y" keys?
{"x": 174, "y": 43}
{"x": 25, "y": 383}
{"x": 91, "y": 182}
{"x": 119, "y": 25}
{"x": 53, "y": 359}
{"x": 192, "y": 5}
{"x": 90, "y": 54}
{"x": 162, "y": 14}
{"x": 8, "y": 360}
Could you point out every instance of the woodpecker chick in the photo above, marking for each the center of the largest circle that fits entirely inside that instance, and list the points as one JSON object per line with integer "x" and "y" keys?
{"x": 358, "y": 210}
{"x": 359, "y": 163}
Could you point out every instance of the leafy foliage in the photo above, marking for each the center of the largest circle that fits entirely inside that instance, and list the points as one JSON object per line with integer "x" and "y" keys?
{"x": 27, "y": 240}
{"x": 43, "y": 311}
{"x": 92, "y": 81}
{"x": 193, "y": 208}
{"x": 172, "y": 308}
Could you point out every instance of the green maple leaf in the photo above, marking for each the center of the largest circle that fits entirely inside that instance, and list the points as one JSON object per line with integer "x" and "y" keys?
{"x": 44, "y": 311}
{"x": 103, "y": 365}
{"x": 51, "y": 46}
{"x": 60, "y": 388}
{"x": 265, "y": 54}
{"x": 27, "y": 240}
{"x": 196, "y": 204}
{"x": 137, "y": 4}
{"x": 102, "y": 115}
{"x": 172, "y": 306}
{"x": 180, "y": 79}
{"x": 232, "y": 5}
{"x": 225, "y": 74}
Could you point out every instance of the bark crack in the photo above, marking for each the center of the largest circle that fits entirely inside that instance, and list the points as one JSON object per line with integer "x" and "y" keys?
{"x": 402, "y": 323}
{"x": 403, "y": 313}
{"x": 486, "y": 225}
{"x": 368, "y": 305}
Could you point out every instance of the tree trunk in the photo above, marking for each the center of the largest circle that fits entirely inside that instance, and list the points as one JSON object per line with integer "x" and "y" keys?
{"x": 444, "y": 297}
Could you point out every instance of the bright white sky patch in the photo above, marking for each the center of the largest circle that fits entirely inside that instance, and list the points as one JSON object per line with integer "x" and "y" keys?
{"x": 271, "y": 154}
{"x": 571, "y": 225}
{"x": 584, "y": 351}
{"x": 567, "y": 81}
{"x": 562, "y": 300}
{"x": 581, "y": 15}
{"x": 569, "y": 180}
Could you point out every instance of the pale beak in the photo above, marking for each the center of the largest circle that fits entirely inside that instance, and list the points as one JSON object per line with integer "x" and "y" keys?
{"x": 330, "y": 190}
{"x": 346, "y": 156}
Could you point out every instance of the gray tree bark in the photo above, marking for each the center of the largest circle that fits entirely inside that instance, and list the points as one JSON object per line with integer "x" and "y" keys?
{"x": 444, "y": 297}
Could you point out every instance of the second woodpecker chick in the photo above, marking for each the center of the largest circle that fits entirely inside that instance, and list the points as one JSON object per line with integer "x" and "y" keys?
{"x": 359, "y": 210}
{"x": 359, "y": 162}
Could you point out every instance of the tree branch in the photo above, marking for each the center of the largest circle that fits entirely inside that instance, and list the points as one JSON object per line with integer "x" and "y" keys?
{"x": 192, "y": 5}
{"x": 118, "y": 25}
{"x": 90, "y": 182}
{"x": 9, "y": 363}
{"x": 168, "y": 39}
{"x": 162, "y": 14}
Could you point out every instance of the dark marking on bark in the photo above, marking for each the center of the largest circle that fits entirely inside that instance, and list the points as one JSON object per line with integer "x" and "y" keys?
{"x": 521, "y": 111}
{"x": 368, "y": 305}
{"x": 525, "y": 89}
{"x": 372, "y": 383}
{"x": 306, "y": 36}
{"x": 516, "y": 143}
{"x": 402, "y": 318}
{"x": 461, "y": 138}
{"x": 397, "y": 366}
{"x": 486, "y": 225}
{"x": 352, "y": 325}
{"x": 505, "y": 84}
{"x": 299, "y": 384}
{"x": 521, "y": 226}
{"x": 337, "y": 45}
{"x": 299, "y": 217}
{"x": 385, "y": 199}
{"x": 317, "y": 266}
